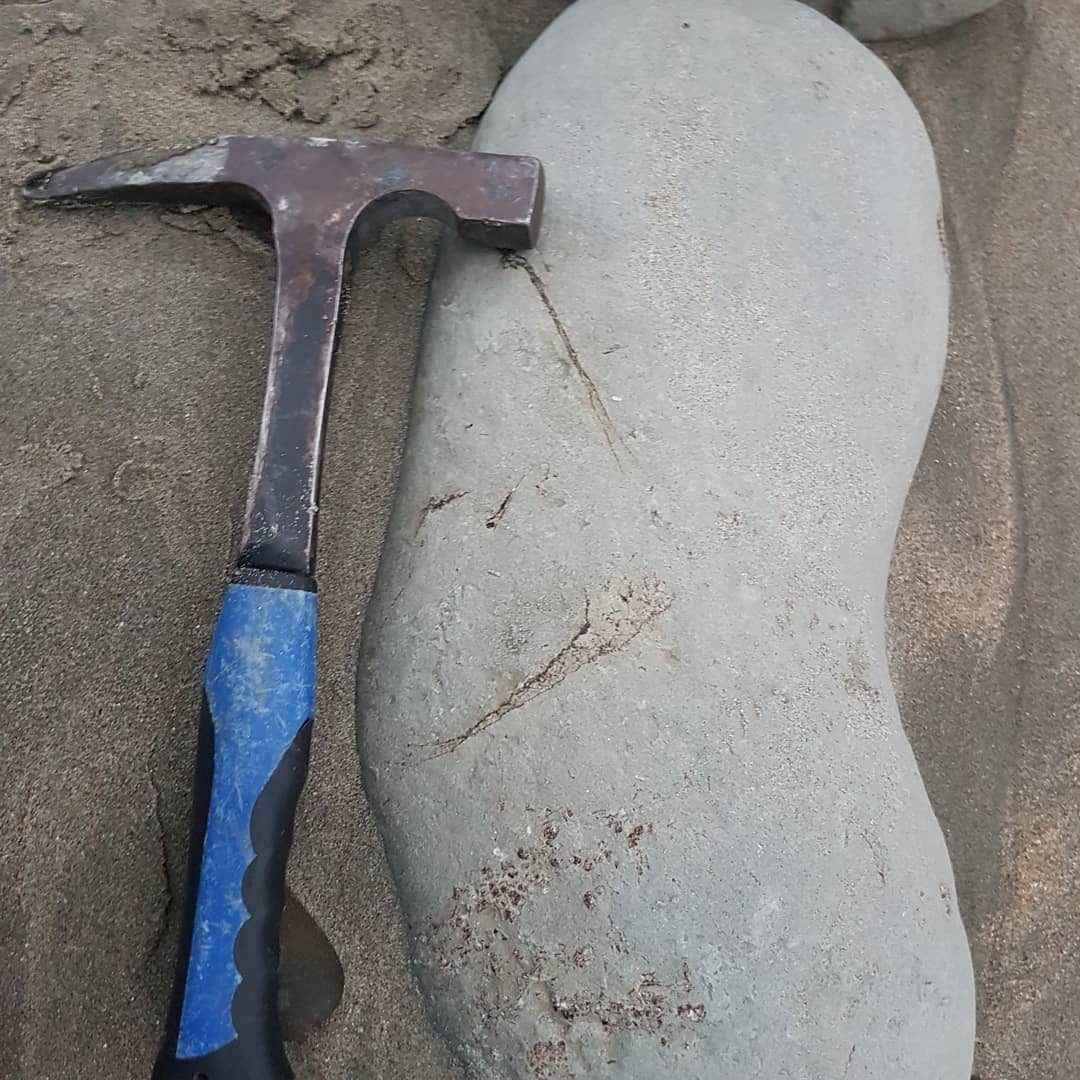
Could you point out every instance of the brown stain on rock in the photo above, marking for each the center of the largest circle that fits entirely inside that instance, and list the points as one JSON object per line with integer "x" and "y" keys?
{"x": 651, "y": 1006}
{"x": 488, "y": 944}
{"x": 500, "y": 891}
{"x": 436, "y": 503}
{"x": 547, "y": 1061}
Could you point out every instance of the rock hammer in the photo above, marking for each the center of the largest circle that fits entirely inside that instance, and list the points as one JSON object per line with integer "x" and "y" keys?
{"x": 324, "y": 196}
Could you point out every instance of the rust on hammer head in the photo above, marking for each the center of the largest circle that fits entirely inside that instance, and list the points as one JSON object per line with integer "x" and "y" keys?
{"x": 319, "y": 193}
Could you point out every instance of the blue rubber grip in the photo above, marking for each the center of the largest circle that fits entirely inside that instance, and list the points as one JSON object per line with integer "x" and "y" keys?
{"x": 260, "y": 690}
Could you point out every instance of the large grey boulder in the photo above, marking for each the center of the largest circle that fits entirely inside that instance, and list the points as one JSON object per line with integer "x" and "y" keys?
{"x": 875, "y": 20}
{"x": 625, "y": 710}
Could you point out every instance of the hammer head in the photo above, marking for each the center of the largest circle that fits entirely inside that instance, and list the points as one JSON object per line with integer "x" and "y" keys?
{"x": 322, "y": 194}
{"x": 319, "y": 184}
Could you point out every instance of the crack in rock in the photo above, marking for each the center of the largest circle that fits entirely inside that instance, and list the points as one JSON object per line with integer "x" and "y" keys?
{"x": 499, "y": 512}
{"x": 515, "y": 260}
{"x": 629, "y": 610}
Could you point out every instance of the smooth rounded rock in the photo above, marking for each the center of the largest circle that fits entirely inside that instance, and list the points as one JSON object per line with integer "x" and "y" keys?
{"x": 878, "y": 20}
{"x": 624, "y": 702}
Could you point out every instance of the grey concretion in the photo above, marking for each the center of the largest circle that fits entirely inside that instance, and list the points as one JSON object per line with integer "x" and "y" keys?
{"x": 624, "y": 704}
{"x": 875, "y": 20}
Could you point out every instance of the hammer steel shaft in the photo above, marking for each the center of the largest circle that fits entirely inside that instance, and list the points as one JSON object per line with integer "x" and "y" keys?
{"x": 259, "y": 684}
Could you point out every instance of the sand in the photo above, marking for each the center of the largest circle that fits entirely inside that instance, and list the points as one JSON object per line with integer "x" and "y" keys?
{"x": 135, "y": 350}
{"x": 134, "y": 342}
{"x": 985, "y": 612}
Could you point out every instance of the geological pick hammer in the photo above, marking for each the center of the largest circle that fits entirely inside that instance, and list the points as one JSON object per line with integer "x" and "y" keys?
{"x": 259, "y": 684}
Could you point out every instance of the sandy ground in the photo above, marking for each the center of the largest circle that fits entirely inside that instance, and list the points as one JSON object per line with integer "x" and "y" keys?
{"x": 985, "y": 597}
{"x": 134, "y": 342}
{"x": 134, "y": 352}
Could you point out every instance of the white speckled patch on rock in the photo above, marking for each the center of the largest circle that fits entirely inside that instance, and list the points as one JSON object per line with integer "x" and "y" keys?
{"x": 626, "y": 716}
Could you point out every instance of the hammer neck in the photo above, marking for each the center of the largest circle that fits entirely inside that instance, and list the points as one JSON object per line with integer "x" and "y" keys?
{"x": 280, "y": 521}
